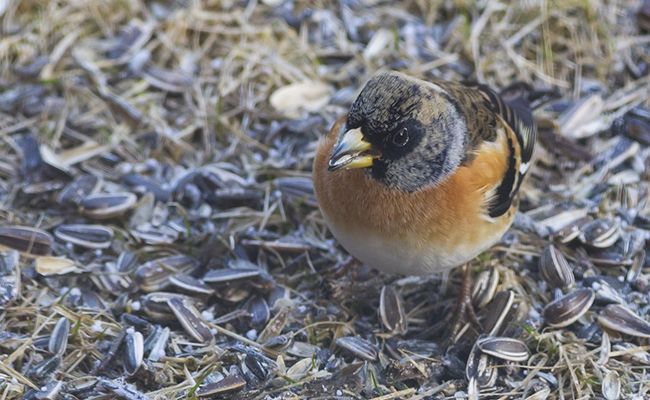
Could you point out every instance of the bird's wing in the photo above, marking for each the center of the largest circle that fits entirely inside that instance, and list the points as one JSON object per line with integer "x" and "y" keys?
{"x": 486, "y": 112}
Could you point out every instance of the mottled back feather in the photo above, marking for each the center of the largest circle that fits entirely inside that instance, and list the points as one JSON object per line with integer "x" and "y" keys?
{"x": 489, "y": 112}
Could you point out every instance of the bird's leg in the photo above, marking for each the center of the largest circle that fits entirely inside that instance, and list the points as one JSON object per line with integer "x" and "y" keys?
{"x": 465, "y": 310}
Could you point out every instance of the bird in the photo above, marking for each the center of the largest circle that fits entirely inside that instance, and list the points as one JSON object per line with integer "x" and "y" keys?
{"x": 422, "y": 176}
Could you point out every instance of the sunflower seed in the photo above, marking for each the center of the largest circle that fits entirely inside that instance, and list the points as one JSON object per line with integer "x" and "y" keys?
{"x": 619, "y": 318}
{"x": 359, "y": 347}
{"x": 81, "y": 385}
{"x": 113, "y": 281}
{"x": 82, "y": 186}
{"x": 88, "y": 236}
{"x": 259, "y": 311}
{"x": 229, "y": 384}
{"x": 228, "y": 275}
{"x": 498, "y": 309}
{"x": 59, "y": 337}
{"x": 30, "y": 242}
{"x": 190, "y": 318}
{"x": 280, "y": 343}
{"x": 56, "y": 266}
{"x": 504, "y": 348}
{"x": 103, "y": 206}
{"x": 611, "y": 386}
{"x": 569, "y": 308}
{"x": 141, "y": 184}
{"x": 635, "y": 269}
{"x": 126, "y": 262}
{"x": 133, "y": 352}
{"x": 485, "y": 287}
{"x": 573, "y": 230}
{"x": 481, "y": 366}
{"x": 234, "y": 293}
{"x": 156, "y": 306}
{"x": 555, "y": 269}
{"x": 189, "y": 285}
{"x": 601, "y": 233}
{"x": 392, "y": 312}
{"x": 154, "y": 275}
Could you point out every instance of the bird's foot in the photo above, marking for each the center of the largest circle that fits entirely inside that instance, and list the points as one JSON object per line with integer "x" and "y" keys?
{"x": 463, "y": 316}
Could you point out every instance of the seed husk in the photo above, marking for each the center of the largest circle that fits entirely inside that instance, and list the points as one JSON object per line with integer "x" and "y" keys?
{"x": 30, "y": 242}
{"x": 154, "y": 275}
{"x": 103, "y": 206}
{"x": 280, "y": 343}
{"x": 88, "y": 236}
{"x": 498, "y": 309}
{"x": 569, "y": 308}
{"x": 637, "y": 266}
{"x": 59, "y": 337}
{"x": 133, "y": 352}
{"x": 229, "y": 384}
{"x": 573, "y": 230}
{"x": 189, "y": 285}
{"x": 480, "y": 366}
{"x": 485, "y": 287}
{"x": 82, "y": 186}
{"x": 359, "y": 347}
{"x": 228, "y": 275}
{"x": 156, "y": 306}
{"x": 509, "y": 349}
{"x": 621, "y": 319}
{"x": 259, "y": 311}
{"x": 392, "y": 312}
{"x": 555, "y": 269}
{"x": 275, "y": 325}
{"x": 56, "y": 266}
{"x": 601, "y": 233}
{"x": 190, "y": 318}
{"x": 611, "y": 386}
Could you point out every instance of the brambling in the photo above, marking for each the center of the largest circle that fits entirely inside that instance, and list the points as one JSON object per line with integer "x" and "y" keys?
{"x": 422, "y": 176}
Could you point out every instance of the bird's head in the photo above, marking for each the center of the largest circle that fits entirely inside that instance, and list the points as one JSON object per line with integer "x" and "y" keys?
{"x": 406, "y": 133}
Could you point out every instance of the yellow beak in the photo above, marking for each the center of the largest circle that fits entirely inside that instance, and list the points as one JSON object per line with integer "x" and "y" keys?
{"x": 352, "y": 152}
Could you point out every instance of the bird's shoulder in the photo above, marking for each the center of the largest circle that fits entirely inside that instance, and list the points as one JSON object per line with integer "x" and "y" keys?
{"x": 488, "y": 116}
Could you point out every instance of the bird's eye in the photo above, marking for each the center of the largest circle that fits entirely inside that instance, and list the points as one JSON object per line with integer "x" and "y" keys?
{"x": 401, "y": 137}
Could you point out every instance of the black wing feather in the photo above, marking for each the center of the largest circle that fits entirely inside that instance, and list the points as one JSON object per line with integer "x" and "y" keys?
{"x": 518, "y": 115}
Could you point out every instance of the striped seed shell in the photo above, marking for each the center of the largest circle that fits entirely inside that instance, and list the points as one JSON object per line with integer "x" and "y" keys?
{"x": 188, "y": 315}
{"x": 88, "y": 236}
{"x": 621, "y": 319}
{"x": 392, "y": 311}
{"x": 485, "y": 287}
{"x": 611, "y": 386}
{"x": 30, "y": 242}
{"x": 103, "y": 206}
{"x": 498, "y": 310}
{"x": 359, "y": 347}
{"x": 509, "y": 349}
{"x": 555, "y": 269}
{"x": 569, "y": 308}
{"x": 133, "y": 351}
{"x": 59, "y": 337}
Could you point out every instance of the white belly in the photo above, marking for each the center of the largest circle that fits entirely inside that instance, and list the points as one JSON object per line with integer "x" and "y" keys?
{"x": 397, "y": 257}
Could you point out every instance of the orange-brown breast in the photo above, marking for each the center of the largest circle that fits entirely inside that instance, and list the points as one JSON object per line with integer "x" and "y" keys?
{"x": 448, "y": 216}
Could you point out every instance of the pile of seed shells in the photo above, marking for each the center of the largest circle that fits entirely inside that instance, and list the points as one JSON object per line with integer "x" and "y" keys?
{"x": 160, "y": 237}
